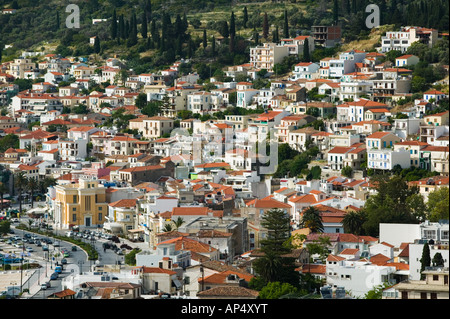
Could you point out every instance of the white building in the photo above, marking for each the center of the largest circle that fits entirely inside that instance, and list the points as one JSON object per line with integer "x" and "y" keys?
{"x": 357, "y": 276}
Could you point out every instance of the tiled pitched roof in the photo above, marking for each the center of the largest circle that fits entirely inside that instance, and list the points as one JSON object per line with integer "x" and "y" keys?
{"x": 229, "y": 292}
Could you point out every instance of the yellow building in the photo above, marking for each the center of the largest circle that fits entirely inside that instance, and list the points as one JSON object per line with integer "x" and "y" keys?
{"x": 82, "y": 204}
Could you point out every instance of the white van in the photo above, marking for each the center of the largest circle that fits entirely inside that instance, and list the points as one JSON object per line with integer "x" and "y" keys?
{"x": 69, "y": 233}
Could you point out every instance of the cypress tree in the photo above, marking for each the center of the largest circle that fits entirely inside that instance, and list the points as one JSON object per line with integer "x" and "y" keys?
{"x": 232, "y": 25}
{"x": 148, "y": 10}
{"x": 179, "y": 45}
{"x": 144, "y": 29}
{"x": 265, "y": 27}
{"x": 275, "y": 35}
{"x": 224, "y": 29}
{"x": 213, "y": 47}
{"x": 121, "y": 29}
{"x": 231, "y": 44}
{"x": 335, "y": 11}
{"x": 286, "y": 25}
{"x": 205, "y": 39}
{"x": 347, "y": 7}
{"x": 1, "y": 51}
{"x": 425, "y": 261}
{"x": 178, "y": 25}
{"x": 256, "y": 37}
{"x": 185, "y": 23}
{"x": 306, "y": 57}
{"x": 245, "y": 18}
{"x": 114, "y": 25}
{"x": 57, "y": 20}
{"x": 97, "y": 45}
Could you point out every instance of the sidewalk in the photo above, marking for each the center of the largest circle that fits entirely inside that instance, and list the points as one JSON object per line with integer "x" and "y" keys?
{"x": 36, "y": 286}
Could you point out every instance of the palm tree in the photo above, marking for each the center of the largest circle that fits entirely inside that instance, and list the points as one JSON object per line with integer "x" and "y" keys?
{"x": 32, "y": 185}
{"x": 311, "y": 219}
{"x": 353, "y": 222}
{"x": 3, "y": 190}
{"x": 178, "y": 222}
{"x": 167, "y": 228}
{"x": 20, "y": 182}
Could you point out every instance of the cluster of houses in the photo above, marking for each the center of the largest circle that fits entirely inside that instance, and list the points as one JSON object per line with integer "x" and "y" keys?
{"x": 194, "y": 192}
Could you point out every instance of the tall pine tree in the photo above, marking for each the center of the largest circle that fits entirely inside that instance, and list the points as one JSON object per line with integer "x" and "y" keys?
{"x": 205, "y": 39}
{"x": 245, "y": 18}
{"x": 144, "y": 27}
{"x": 232, "y": 25}
{"x": 114, "y": 25}
{"x": 286, "y": 25}
{"x": 265, "y": 26}
{"x": 306, "y": 57}
{"x": 335, "y": 12}
{"x": 275, "y": 35}
{"x": 97, "y": 47}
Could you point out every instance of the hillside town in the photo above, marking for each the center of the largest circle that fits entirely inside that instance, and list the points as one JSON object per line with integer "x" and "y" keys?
{"x": 184, "y": 172}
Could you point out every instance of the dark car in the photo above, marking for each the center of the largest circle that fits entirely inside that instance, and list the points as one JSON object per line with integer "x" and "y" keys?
{"x": 54, "y": 276}
{"x": 74, "y": 248}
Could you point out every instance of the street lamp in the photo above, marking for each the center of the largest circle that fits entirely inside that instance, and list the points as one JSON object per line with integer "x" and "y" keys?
{"x": 80, "y": 263}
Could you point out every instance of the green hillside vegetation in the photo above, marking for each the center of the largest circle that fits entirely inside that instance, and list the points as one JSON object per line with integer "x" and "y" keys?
{"x": 190, "y": 28}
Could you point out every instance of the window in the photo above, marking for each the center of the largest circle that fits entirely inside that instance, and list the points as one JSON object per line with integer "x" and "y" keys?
{"x": 74, "y": 217}
{"x": 433, "y": 295}
{"x": 100, "y": 216}
{"x": 435, "y": 277}
{"x": 87, "y": 203}
{"x": 423, "y": 295}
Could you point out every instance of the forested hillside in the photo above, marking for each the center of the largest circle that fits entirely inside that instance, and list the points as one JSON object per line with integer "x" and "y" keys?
{"x": 176, "y": 29}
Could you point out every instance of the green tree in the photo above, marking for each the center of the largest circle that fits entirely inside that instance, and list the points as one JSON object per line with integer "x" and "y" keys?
{"x": 275, "y": 265}
{"x": 347, "y": 171}
{"x": 389, "y": 204}
{"x": 232, "y": 25}
{"x": 141, "y": 100}
{"x": 205, "y": 39}
{"x": 114, "y": 25}
{"x": 144, "y": 26}
{"x": 311, "y": 219}
{"x": 245, "y": 18}
{"x": 5, "y": 227}
{"x": 32, "y": 185}
{"x": 20, "y": 182}
{"x": 353, "y": 222}
{"x": 265, "y": 26}
{"x": 438, "y": 260}
{"x": 274, "y": 290}
{"x": 319, "y": 247}
{"x": 438, "y": 204}
{"x": 97, "y": 45}
{"x": 8, "y": 141}
{"x": 425, "y": 261}
{"x": 3, "y": 190}
{"x": 306, "y": 56}
{"x": 286, "y": 25}
{"x": 335, "y": 12}
{"x": 376, "y": 292}
{"x": 130, "y": 258}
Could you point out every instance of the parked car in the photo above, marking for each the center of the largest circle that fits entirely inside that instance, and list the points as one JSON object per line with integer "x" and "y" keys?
{"x": 29, "y": 249}
{"x": 45, "y": 248}
{"x": 54, "y": 276}
{"x": 64, "y": 261}
{"x": 74, "y": 248}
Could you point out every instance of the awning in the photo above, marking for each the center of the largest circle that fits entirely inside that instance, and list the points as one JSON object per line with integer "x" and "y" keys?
{"x": 177, "y": 283}
{"x": 136, "y": 231}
